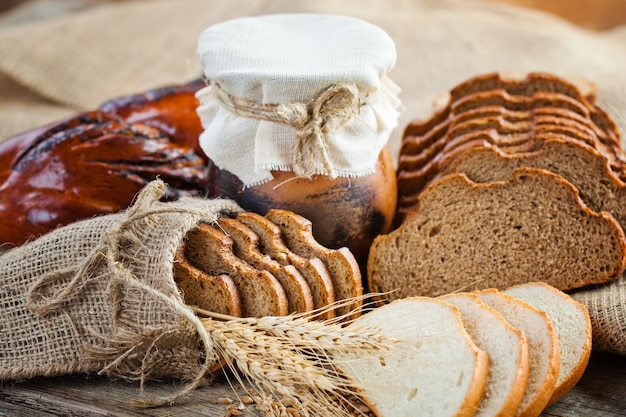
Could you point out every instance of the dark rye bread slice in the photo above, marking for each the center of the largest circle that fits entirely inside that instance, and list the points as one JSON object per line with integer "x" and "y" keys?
{"x": 459, "y": 130}
{"x": 414, "y": 146}
{"x": 527, "y": 84}
{"x": 411, "y": 183}
{"x": 210, "y": 250}
{"x": 514, "y": 84}
{"x": 466, "y": 236}
{"x": 246, "y": 247}
{"x": 312, "y": 269}
{"x": 416, "y": 143}
{"x": 412, "y": 142}
{"x": 297, "y": 232}
{"x": 216, "y": 293}
{"x": 579, "y": 164}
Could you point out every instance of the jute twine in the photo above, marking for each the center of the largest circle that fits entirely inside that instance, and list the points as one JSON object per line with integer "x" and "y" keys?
{"x": 311, "y": 122}
{"x": 607, "y": 309}
{"x": 99, "y": 296}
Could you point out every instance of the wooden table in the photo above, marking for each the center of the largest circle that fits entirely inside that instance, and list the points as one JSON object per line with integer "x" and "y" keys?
{"x": 599, "y": 393}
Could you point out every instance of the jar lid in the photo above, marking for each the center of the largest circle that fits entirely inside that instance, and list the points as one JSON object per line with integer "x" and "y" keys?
{"x": 307, "y": 93}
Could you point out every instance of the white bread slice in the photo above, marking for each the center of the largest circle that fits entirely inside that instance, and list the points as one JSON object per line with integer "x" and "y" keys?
{"x": 508, "y": 354}
{"x": 573, "y": 327}
{"x": 543, "y": 348}
{"x": 432, "y": 369}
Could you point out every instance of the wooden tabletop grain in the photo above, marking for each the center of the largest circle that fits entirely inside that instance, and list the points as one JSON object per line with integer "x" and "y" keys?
{"x": 599, "y": 393}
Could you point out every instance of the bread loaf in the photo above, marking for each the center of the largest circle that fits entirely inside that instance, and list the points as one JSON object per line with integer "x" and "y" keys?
{"x": 341, "y": 264}
{"x": 312, "y": 269}
{"x": 508, "y": 354}
{"x": 89, "y": 164}
{"x": 468, "y": 236}
{"x": 211, "y": 250}
{"x": 217, "y": 293}
{"x": 433, "y": 369}
{"x": 543, "y": 348}
{"x": 572, "y": 325}
{"x": 246, "y": 247}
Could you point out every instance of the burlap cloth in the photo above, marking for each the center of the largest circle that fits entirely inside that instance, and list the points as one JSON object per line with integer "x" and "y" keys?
{"x": 99, "y": 296}
{"x": 56, "y": 67}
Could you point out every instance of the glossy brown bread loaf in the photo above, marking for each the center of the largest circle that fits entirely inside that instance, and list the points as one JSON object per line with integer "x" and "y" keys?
{"x": 92, "y": 163}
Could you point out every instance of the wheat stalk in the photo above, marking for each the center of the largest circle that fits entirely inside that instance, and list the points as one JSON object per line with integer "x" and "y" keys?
{"x": 289, "y": 361}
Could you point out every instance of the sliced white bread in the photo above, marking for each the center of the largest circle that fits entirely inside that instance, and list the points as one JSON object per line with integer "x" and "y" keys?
{"x": 573, "y": 327}
{"x": 508, "y": 354}
{"x": 433, "y": 368}
{"x": 543, "y": 348}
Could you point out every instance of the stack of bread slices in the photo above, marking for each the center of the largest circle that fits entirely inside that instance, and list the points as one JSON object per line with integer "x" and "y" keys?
{"x": 272, "y": 265}
{"x": 484, "y": 353}
{"x": 511, "y": 180}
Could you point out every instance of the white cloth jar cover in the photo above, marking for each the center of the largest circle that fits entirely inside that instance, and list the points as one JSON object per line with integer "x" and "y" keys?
{"x": 307, "y": 93}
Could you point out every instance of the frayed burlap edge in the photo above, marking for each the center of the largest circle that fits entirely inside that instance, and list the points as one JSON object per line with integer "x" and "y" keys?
{"x": 607, "y": 310}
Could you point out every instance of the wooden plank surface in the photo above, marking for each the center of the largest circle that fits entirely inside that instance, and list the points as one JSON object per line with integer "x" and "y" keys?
{"x": 600, "y": 393}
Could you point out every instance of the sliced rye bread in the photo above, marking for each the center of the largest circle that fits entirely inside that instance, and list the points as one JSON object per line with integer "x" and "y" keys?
{"x": 466, "y": 235}
{"x": 246, "y": 247}
{"x": 520, "y": 137}
{"x": 572, "y": 87}
{"x": 527, "y": 84}
{"x": 417, "y": 144}
{"x": 515, "y": 123}
{"x": 216, "y": 293}
{"x": 432, "y": 369}
{"x": 543, "y": 348}
{"x": 573, "y": 327}
{"x": 312, "y": 269}
{"x": 297, "y": 233}
{"x": 508, "y": 354}
{"x": 581, "y": 165}
{"x": 414, "y": 136}
{"x": 412, "y": 183}
{"x": 210, "y": 250}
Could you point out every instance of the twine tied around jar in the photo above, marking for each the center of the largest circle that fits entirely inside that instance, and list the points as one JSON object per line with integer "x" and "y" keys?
{"x": 311, "y": 122}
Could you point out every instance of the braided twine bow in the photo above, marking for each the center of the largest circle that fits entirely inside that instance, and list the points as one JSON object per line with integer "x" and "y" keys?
{"x": 311, "y": 122}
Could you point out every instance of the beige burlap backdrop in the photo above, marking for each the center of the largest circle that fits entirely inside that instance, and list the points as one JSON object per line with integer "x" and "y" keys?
{"x": 54, "y": 68}
{"x": 99, "y": 296}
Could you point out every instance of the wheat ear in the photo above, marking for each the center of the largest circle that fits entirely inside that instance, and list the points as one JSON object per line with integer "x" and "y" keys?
{"x": 289, "y": 361}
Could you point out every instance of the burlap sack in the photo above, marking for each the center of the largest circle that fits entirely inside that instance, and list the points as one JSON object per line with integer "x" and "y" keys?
{"x": 607, "y": 310}
{"x": 99, "y": 296}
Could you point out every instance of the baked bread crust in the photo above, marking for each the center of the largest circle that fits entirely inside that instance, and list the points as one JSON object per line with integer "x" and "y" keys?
{"x": 573, "y": 327}
{"x": 246, "y": 247}
{"x": 211, "y": 250}
{"x": 466, "y": 235}
{"x": 543, "y": 348}
{"x": 508, "y": 354}
{"x": 297, "y": 232}
{"x": 217, "y": 293}
{"x": 312, "y": 269}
